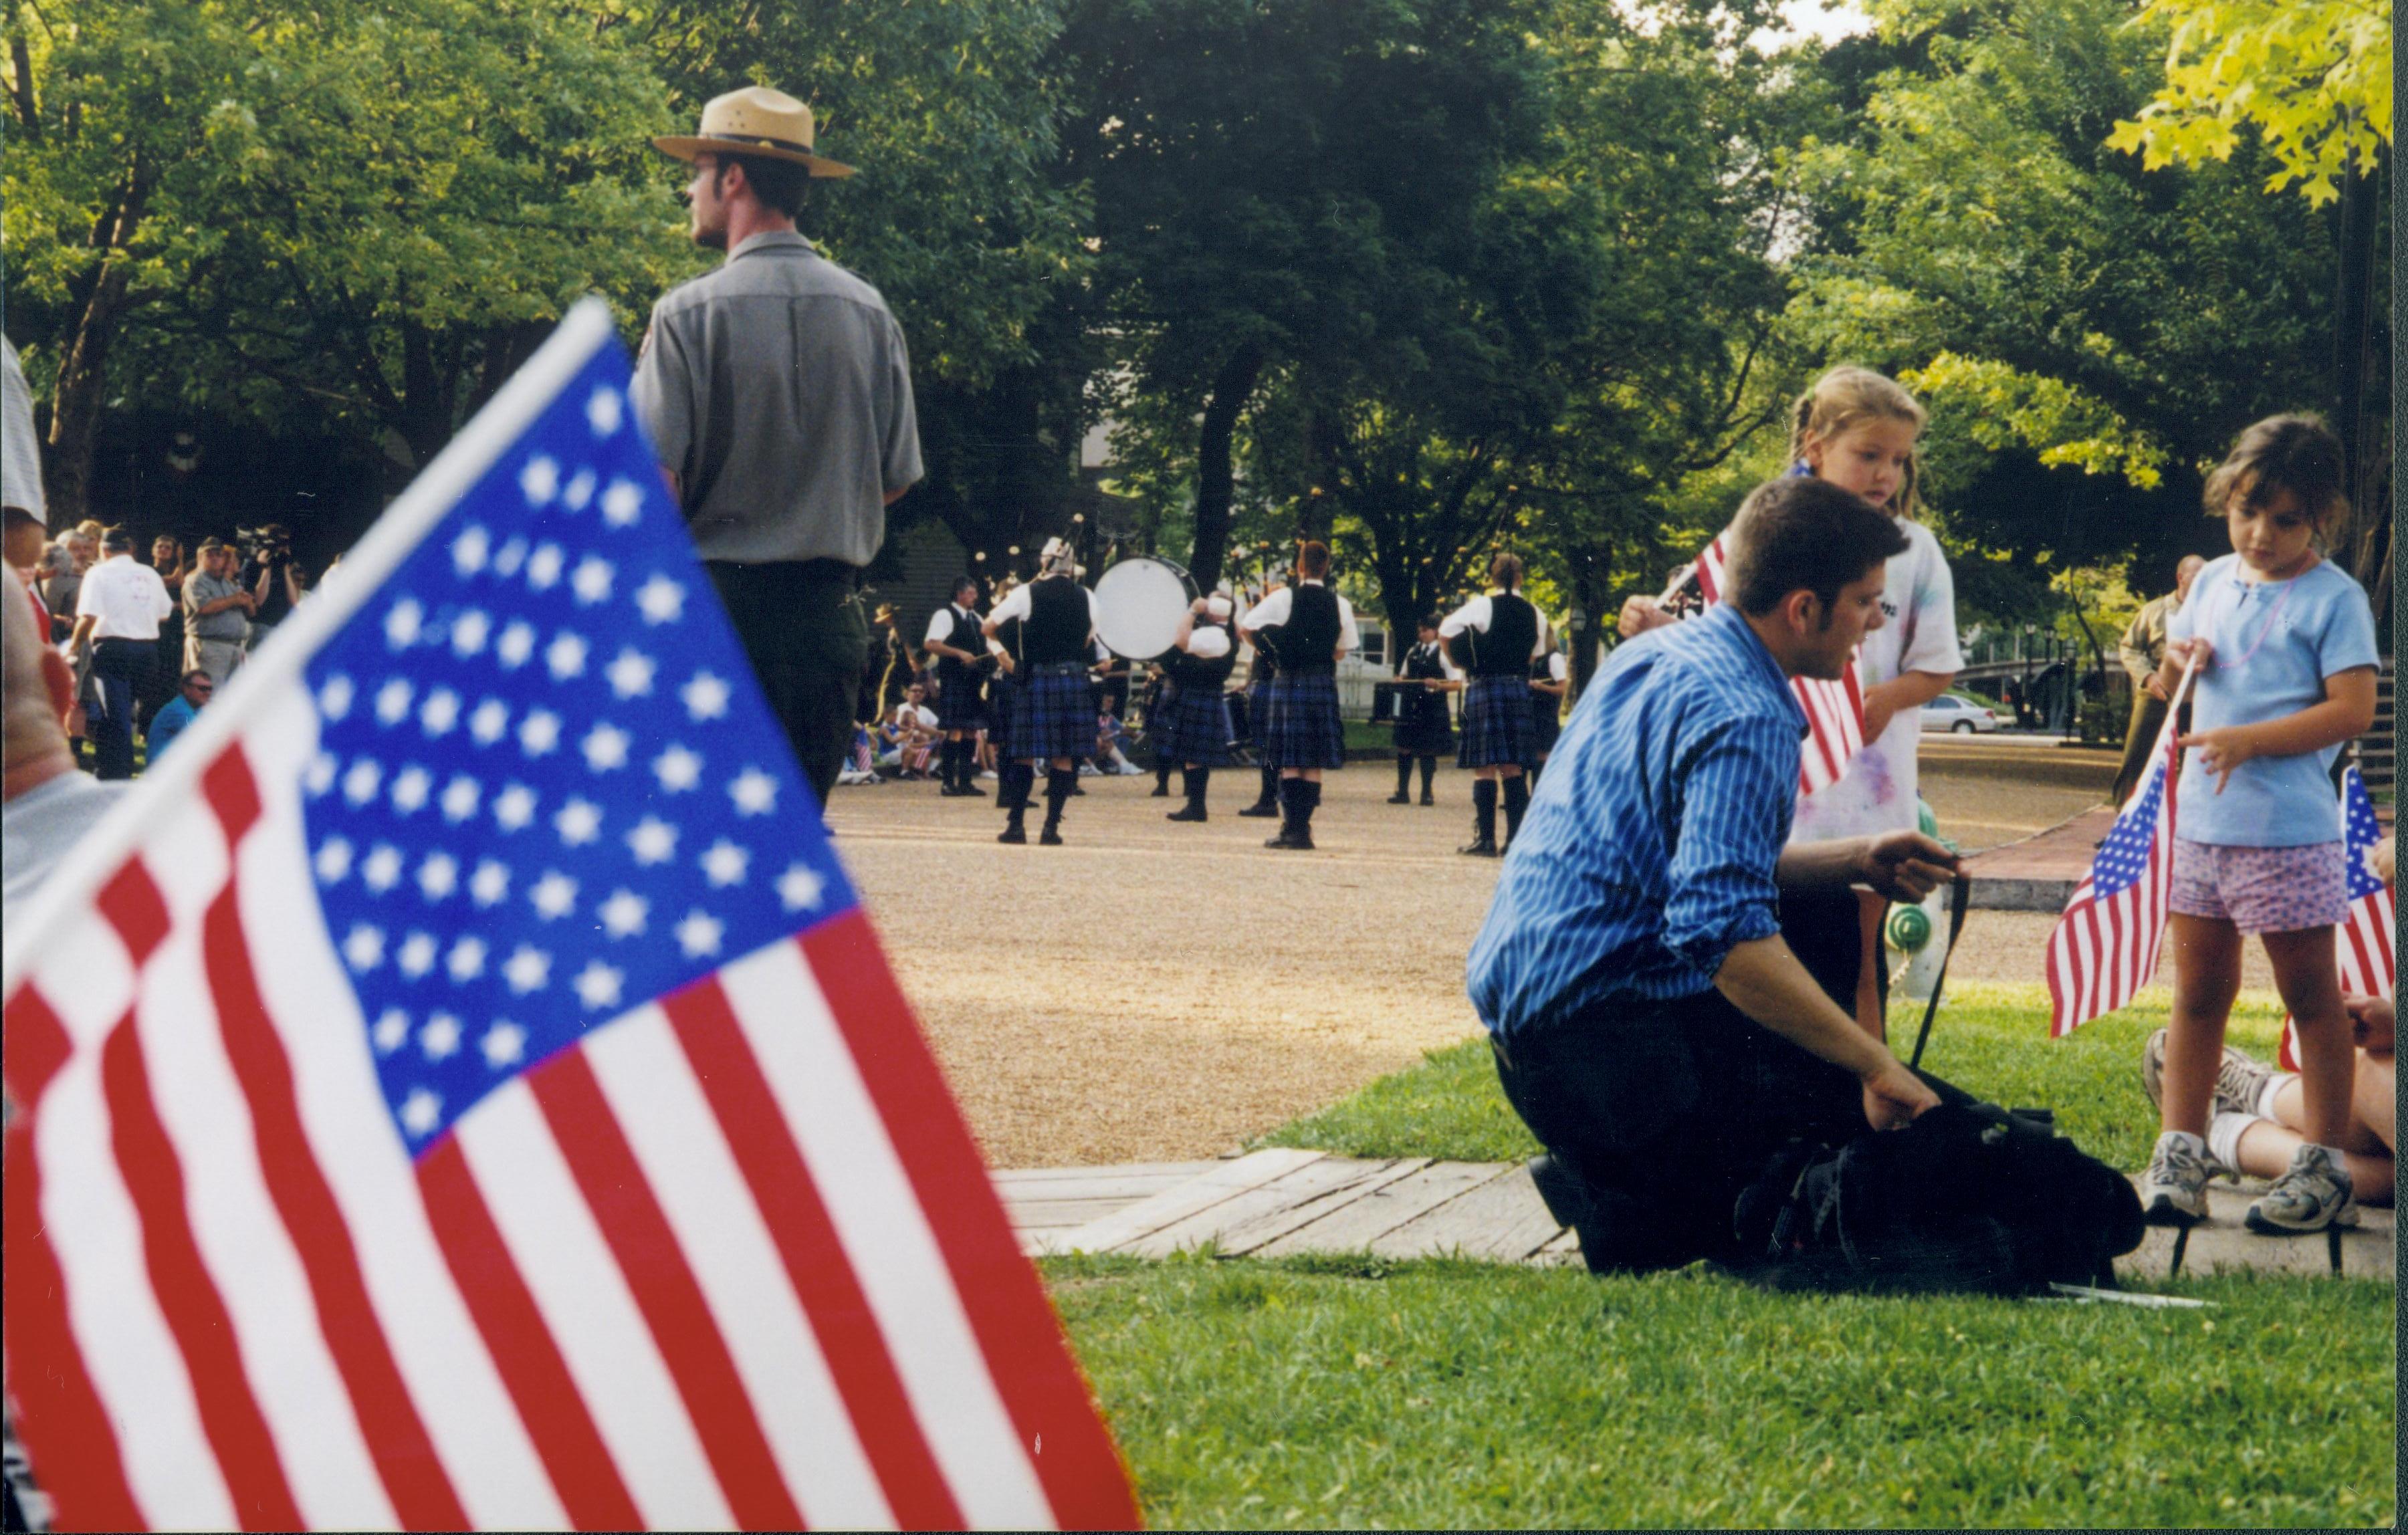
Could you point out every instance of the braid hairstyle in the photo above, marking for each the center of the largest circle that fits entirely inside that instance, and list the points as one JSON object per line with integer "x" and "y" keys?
{"x": 1849, "y": 397}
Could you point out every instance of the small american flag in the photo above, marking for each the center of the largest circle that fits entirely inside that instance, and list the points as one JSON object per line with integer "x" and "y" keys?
{"x": 1835, "y": 711}
{"x": 460, "y": 1089}
{"x": 2369, "y": 966}
{"x": 2104, "y": 949}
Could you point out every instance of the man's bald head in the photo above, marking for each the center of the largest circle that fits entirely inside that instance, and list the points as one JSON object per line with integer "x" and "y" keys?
{"x": 39, "y": 687}
{"x": 2186, "y": 572}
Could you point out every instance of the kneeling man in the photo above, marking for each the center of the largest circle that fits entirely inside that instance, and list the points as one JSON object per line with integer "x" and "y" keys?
{"x": 1649, "y": 1022}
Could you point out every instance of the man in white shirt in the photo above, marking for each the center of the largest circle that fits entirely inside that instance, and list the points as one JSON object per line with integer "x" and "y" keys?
{"x": 1494, "y": 639}
{"x": 118, "y": 611}
{"x": 1309, "y": 629}
{"x": 956, "y": 639}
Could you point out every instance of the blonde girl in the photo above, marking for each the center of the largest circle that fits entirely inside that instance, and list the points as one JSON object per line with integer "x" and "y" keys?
{"x": 2283, "y": 649}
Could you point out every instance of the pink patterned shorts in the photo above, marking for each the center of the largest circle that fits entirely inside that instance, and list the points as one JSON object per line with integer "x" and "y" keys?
{"x": 2261, "y": 890}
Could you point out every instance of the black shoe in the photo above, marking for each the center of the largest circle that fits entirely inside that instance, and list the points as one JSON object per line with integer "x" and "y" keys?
{"x": 1012, "y": 834}
{"x": 1192, "y": 812}
{"x": 1293, "y": 842}
{"x": 1401, "y": 798}
{"x": 1049, "y": 837}
{"x": 972, "y": 790}
{"x": 954, "y": 790}
{"x": 1076, "y": 791}
{"x": 1161, "y": 791}
{"x": 1262, "y": 807}
{"x": 1428, "y": 799}
{"x": 1479, "y": 848}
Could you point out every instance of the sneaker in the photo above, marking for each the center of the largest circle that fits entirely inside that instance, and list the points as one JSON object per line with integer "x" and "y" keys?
{"x": 2312, "y": 1196}
{"x": 2240, "y": 1079}
{"x": 2173, "y": 1192}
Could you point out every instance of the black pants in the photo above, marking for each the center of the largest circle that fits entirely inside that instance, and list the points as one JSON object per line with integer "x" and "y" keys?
{"x": 803, "y": 631}
{"x": 117, "y": 667}
{"x": 1666, "y": 1110}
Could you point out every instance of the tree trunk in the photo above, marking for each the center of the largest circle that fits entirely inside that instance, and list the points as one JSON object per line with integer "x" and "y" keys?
{"x": 83, "y": 365}
{"x": 1216, "y": 479}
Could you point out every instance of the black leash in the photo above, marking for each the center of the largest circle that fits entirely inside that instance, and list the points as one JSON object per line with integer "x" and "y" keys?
{"x": 1961, "y": 890}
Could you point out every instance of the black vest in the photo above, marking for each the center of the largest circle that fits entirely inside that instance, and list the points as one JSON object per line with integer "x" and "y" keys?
{"x": 1504, "y": 649}
{"x": 965, "y": 636}
{"x": 1198, "y": 673}
{"x": 1010, "y": 634}
{"x": 1308, "y": 641}
{"x": 1058, "y": 622}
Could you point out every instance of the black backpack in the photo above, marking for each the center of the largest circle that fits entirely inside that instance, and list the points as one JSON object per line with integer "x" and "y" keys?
{"x": 1968, "y": 1197}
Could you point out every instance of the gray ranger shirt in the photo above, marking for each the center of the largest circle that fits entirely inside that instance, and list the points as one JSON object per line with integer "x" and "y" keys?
{"x": 778, "y": 390}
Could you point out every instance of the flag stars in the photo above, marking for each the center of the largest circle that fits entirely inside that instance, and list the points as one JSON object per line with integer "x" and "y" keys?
{"x": 438, "y": 876}
{"x": 416, "y": 956}
{"x": 470, "y": 551}
{"x": 516, "y": 644}
{"x": 660, "y": 600}
{"x": 799, "y": 888}
{"x": 507, "y": 559}
{"x": 361, "y": 782}
{"x": 539, "y": 733}
{"x": 393, "y": 701}
{"x": 411, "y": 788}
{"x": 623, "y": 915}
{"x": 597, "y": 985}
{"x": 514, "y": 808}
{"x": 490, "y": 883}
{"x": 389, "y": 1031}
{"x": 382, "y": 870}
{"x": 527, "y": 969}
{"x": 319, "y": 776}
{"x": 698, "y": 934}
{"x": 591, "y": 580}
{"x": 539, "y": 481}
{"x": 602, "y": 409}
{"x": 363, "y": 948}
{"x": 653, "y": 842}
{"x": 460, "y": 797}
{"x": 422, "y": 1111}
{"x": 755, "y": 793}
{"x": 335, "y": 698}
{"x": 543, "y": 567}
{"x": 439, "y": 715}
{"x": 403, "y": 623}
{"x": 579, "y": 821}
{"x": 605, "y": 748}
{"x": 470, "y": 633}
{"x": 466, "y": 960}
{"x": 622, "y": 503}
{"x": 503, "y": 1046}
{"x": 705, "y": 697}
{"x": 440, "y": 1040}
{"x": 490, "y": 722}
{"x": 630, "y": 673}
{"x": 566, "y": 655}
{"x": 677, "y": 770}
{"x": 555, "y": 895}
{"x": 725, "y": 864}
{"x": 578, "y": 492}
{"x": 334, "y": 860}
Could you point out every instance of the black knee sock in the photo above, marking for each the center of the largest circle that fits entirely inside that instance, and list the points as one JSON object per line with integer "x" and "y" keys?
{"x": 1060, "y": 784}
{"x": 1484, "y": 808}
{"x": 953, "y": 774}
{"x": 1017, "y": 779}
{"x": 1312, "y": 799}
{"x": 1530, "y": 776}
{"x": 1162, "y": 777}
{"x": 1429, "y": 771}
{"x": 1291, "y": 801}
{"x": 1404, "y": 775}
{"x": 1517, "y": 800}
{"x": 1271, "y": 787}
{"x": 1197, "y": 781}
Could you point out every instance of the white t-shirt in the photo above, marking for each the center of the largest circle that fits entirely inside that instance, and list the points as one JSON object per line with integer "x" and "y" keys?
{"x": 127, "y": 597}
{"x": 909, "y": 716}
{"x": 1016, "y": 606}
{"x": 1877, "y": 794}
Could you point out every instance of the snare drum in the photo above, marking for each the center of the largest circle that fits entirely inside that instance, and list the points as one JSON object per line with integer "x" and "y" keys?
{"x": 1138, "y": 603}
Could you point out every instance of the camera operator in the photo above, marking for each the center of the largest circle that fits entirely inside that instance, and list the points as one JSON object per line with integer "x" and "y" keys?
{"x": 271, "y": 576}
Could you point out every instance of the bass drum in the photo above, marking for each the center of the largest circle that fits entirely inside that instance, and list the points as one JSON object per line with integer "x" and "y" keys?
{"x": 1138, "y": 603}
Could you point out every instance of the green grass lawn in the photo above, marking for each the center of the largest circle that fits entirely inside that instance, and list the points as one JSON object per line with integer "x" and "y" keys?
{"x": 1353, "y": 1392}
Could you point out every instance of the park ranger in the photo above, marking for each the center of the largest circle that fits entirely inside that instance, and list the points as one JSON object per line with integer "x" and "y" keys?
{"x": 778, "y": 394}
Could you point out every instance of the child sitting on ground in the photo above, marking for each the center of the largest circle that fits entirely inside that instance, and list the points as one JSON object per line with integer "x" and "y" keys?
{"x": 2284, "y": 645}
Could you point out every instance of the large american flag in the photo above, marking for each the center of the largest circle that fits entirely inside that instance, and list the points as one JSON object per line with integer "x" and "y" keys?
{"x": 2368, "y": 965}
{"x": 1835, "y": 711}
{"x": 2104, "y": 949}
{"x": 459, "y": 1088}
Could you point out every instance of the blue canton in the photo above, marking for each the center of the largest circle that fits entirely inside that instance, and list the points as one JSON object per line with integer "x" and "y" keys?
{"x": 2124, "y": 855}
{"x": 2362, "y": 831}
{"x": 548, "y": 790}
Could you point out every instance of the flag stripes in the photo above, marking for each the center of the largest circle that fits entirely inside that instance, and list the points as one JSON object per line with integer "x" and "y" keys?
{"x": 2105, "y": 946}
{"x": 1835, "y": 708}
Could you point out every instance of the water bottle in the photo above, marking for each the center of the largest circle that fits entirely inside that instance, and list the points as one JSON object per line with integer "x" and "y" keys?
{"x": 1913, "y": 932}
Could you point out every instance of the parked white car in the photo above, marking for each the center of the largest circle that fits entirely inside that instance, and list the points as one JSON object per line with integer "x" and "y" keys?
{"x": 1959, "y": 716}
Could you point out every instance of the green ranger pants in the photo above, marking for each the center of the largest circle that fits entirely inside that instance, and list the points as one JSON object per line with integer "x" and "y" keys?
{"x": 802, "y": 627}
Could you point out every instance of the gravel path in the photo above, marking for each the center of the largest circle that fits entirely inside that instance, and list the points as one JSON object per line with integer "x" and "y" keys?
{"x": 1152, "y": 992}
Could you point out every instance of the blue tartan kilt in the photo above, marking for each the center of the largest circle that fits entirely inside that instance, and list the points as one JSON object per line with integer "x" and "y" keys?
{"x": 960, "y": 708}
{"x": 1054, "y": 714}
{"x": 1498, "y": 727}
{"x": 1258, "y": 715}
{"x": 1300, "y": 726}
{"x": 1191, "y": 725}
{"x": 1002, "y": 697}
{"x": 1425, "y": 731}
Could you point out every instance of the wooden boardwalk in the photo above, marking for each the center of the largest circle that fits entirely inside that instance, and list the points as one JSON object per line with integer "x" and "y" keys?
{"x": 1275, "y": 1203}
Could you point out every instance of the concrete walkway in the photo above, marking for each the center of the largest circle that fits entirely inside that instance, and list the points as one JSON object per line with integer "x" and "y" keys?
{"x": 1279, "y": 1202}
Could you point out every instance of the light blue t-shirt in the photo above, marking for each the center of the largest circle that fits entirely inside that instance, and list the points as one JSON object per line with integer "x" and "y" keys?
{"x": 2276, "y": 642}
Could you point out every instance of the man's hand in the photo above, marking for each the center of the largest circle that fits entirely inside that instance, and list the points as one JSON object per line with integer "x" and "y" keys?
{"x": 2183, "y": 652}
{"x": 2371, "y": 1023}
{"x": 1640, "y": 614}
{"x": 1905, "y": 866}
{"x": 2155, "y": 688}
{"x": 1894, "y": 1096}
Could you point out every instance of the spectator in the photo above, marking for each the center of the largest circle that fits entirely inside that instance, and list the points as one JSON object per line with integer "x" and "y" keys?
{"x": 2141, "y": 649}
{"x": 118, "y": 609}
{"x": 273, "y": 579}
{"x": 177, "y": 712}
{"x": 69, "y": 558}
{"x": 908, "y": 733}
{"x": 159, "y": 685}
{"x": 217, "y": 610}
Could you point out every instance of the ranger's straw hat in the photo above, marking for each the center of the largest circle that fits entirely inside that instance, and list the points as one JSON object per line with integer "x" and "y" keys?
{"x": 754, "y": 120}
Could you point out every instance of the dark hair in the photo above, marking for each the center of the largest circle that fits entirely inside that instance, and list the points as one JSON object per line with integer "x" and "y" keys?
{"x": 117, "y": 536}
{"x": 1797, "y": 532}
{"x": 1312, "y": 559}
{"x": 781, "y": 184}
{"x": 201, "y": 672}
{"x": 1427, "y": 620}
{"x": 962, "y": 582}
{"x": 2297, "y": 453}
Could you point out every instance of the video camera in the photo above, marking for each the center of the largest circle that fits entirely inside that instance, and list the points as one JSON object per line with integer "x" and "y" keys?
{"x": 268, "y": 544}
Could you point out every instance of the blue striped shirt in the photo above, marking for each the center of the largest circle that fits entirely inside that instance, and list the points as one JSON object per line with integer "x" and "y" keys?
{"x": 1648, "y": 853}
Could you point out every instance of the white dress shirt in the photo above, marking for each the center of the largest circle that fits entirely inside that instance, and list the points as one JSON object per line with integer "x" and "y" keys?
{"x": 1273, "y": 610}
{"x": 126, "y": 596}
{"x": 1474, "y": 615}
